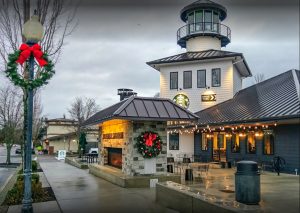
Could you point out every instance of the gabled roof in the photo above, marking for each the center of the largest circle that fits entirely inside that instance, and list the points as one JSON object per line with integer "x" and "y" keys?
{"x": 274, "y": 99}
{"x": 141, "y": 108}
{"x": 204, "y": 55}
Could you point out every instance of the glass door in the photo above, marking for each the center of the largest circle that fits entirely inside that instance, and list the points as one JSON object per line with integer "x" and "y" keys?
{"x": 219, "y": 147}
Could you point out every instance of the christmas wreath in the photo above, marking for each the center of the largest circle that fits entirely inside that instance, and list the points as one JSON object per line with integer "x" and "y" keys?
{"x": 19, "y": 57}
{"x": 148, "y": 144}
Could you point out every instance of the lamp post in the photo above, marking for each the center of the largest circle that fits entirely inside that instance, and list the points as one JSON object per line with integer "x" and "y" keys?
{"x": 33, "y": 33}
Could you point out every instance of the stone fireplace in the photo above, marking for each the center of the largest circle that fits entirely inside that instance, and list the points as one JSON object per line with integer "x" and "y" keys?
{"x": 117, "y": 147}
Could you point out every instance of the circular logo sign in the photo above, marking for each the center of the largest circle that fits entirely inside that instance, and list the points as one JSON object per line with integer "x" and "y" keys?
{"x": 182, "y": 100}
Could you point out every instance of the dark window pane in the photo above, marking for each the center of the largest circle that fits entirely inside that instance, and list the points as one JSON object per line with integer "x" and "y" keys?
{"x": 173, "y": 80}
{"x": 216, "y": 77}
{"x": 201, "y": 78}
{"x": 268, "y": 144}
{"x": 187, "y": 79}
{"x": 199, "y": 20}
{"x": 174, "y": 141}
{"x": 191, "y": 22}
{"x": 208, "y": 20}
{"x": 216, "y": 22}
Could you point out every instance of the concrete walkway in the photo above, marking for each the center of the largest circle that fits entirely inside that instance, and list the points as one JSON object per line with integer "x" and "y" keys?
{"x": 78, "y": 191}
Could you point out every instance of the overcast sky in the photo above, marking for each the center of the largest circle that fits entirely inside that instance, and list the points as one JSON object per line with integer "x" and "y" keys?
{"x": 115, "y": 38}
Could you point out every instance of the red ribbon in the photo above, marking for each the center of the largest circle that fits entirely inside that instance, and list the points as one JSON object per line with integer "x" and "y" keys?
{"x": 149, "y": 138}
{"x": 26, "y": 51}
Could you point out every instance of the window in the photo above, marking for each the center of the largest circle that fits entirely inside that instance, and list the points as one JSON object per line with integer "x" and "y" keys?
{"x": 216, "y": 22}
{"x": 187, "y": 79}
{"x": 207, "y": 20}
{"x": 268, "y": 144}
{"x": 174, "y": 80}
{"x": 251, "y": 146}
{"x": 216, "y": 77}
{"x": 204, "y": 142}
{"x": 191, "y": 22}
{"x": 174, "y": 141}
{"x": 221, "y": 139}
{"x": 199, "y": 20}
{"x": 201, "y": 78}
{"x": 235, "y": 143}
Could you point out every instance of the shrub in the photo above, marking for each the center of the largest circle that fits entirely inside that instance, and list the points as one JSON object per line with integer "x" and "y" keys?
{"x": 15, "y": 195}
{"x": 34, "y": 166}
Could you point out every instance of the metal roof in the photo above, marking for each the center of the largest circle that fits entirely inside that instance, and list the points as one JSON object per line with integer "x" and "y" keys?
{"x": 203, "y": 4}
{"x": 273, "y": 99}
{"x": 204, "y": 55}
{"x": 141, "y": 108}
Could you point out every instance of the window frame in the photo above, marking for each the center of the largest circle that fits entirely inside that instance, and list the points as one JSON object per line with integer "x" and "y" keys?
{"x": 170, "y": 147}
{"x": 235, "y": 136}
{"x": 205, "y": 141}
{"x": 203, "y": 70}
{"x": 212, "y": 82}
{"x": 272, "y": 143}
{"x": 184, "y": 86}
{"x": 171, "y": 80}
{"x": 255, "y": 144}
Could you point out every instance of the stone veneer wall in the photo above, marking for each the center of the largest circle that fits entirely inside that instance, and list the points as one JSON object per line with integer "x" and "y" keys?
{"x": 133, "y": 162}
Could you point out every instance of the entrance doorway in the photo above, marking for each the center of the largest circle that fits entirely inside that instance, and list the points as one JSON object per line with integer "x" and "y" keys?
{"x": 219, "y": 146}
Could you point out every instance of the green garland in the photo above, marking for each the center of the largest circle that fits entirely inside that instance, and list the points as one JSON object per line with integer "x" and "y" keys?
{"x": 146, "y": 150}
{"x": 18, "y": 80}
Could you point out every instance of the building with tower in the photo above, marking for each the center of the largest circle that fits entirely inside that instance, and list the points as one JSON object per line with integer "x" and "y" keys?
{"x": 205, "y": 75}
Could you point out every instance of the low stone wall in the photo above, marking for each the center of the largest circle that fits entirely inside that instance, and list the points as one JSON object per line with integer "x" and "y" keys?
{"x": 181, "y": 198}
{"x": 9, "y": 184}
{"x": 73, "y": 161}
{"x": 117, "y": 177}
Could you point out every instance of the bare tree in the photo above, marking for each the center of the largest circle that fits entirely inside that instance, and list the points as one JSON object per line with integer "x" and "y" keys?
{"x": 156, "y": 95}
{"x": 259, "y": 77}
{"x": 10, "y": 118}
{"x": 37, "y": 121}
{"x": 81, "y": 109}
{"x": 57, "y": 17}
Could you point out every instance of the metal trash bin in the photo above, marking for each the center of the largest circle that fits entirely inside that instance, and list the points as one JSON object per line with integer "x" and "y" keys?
{"x": 189, "y": 174}
{"x": 228, "y": 164}
{"x": 170, "y": 168}
{"x": 247, "y": 183}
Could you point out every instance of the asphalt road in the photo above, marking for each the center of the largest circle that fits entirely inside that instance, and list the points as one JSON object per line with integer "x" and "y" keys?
{"x": 6, "y": 172}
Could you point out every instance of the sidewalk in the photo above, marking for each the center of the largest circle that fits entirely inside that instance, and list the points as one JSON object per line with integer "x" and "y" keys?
{"x": 78, "y": 191}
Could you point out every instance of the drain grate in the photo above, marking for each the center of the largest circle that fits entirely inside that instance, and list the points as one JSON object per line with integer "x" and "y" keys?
{"x": 227, "y": 190}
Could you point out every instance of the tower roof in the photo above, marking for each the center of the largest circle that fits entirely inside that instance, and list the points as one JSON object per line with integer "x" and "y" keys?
{"x": 203, "y": 4}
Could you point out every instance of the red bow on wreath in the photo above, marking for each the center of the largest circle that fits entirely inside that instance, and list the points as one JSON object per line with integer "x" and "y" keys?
{"x": 149, "y": 138}
{"x": 35, "y": 50}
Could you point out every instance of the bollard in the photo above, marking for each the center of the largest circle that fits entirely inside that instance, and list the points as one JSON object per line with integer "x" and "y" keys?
{"x": 247, "y": 183}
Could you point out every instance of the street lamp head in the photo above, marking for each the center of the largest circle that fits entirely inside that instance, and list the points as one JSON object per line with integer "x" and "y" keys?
{"x": 33, "y": 30}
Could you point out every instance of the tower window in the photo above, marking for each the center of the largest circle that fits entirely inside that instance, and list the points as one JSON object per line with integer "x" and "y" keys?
{"x": 216, "y": 22}
{"x": 208, "y": 19}
{"x": 216, "y": 77}
{"x": 174, "y": 80}
{"x": 187, "y": 79}
{"x": 191, "y": 22}
{"x": 201, "y": 78}
{"x": 199, "y": 20}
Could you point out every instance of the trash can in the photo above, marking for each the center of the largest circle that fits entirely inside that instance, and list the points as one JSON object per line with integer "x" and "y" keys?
{"x": 228, "y": 164}
{"x": 170, "y": 168}
{"x": 247, "y": 183}
{"x": 189, "y": 174}
{"x": 223, "y": 164}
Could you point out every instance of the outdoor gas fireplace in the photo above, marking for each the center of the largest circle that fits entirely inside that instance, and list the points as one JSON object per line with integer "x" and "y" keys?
{"x": 114, "y": 157}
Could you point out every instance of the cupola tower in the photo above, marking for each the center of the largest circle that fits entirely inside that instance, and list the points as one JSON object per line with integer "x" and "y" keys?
{"x": 204, "y": 29}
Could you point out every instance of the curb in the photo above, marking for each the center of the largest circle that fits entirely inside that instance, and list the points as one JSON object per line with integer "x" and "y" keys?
{"x": 8, "y": 184}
